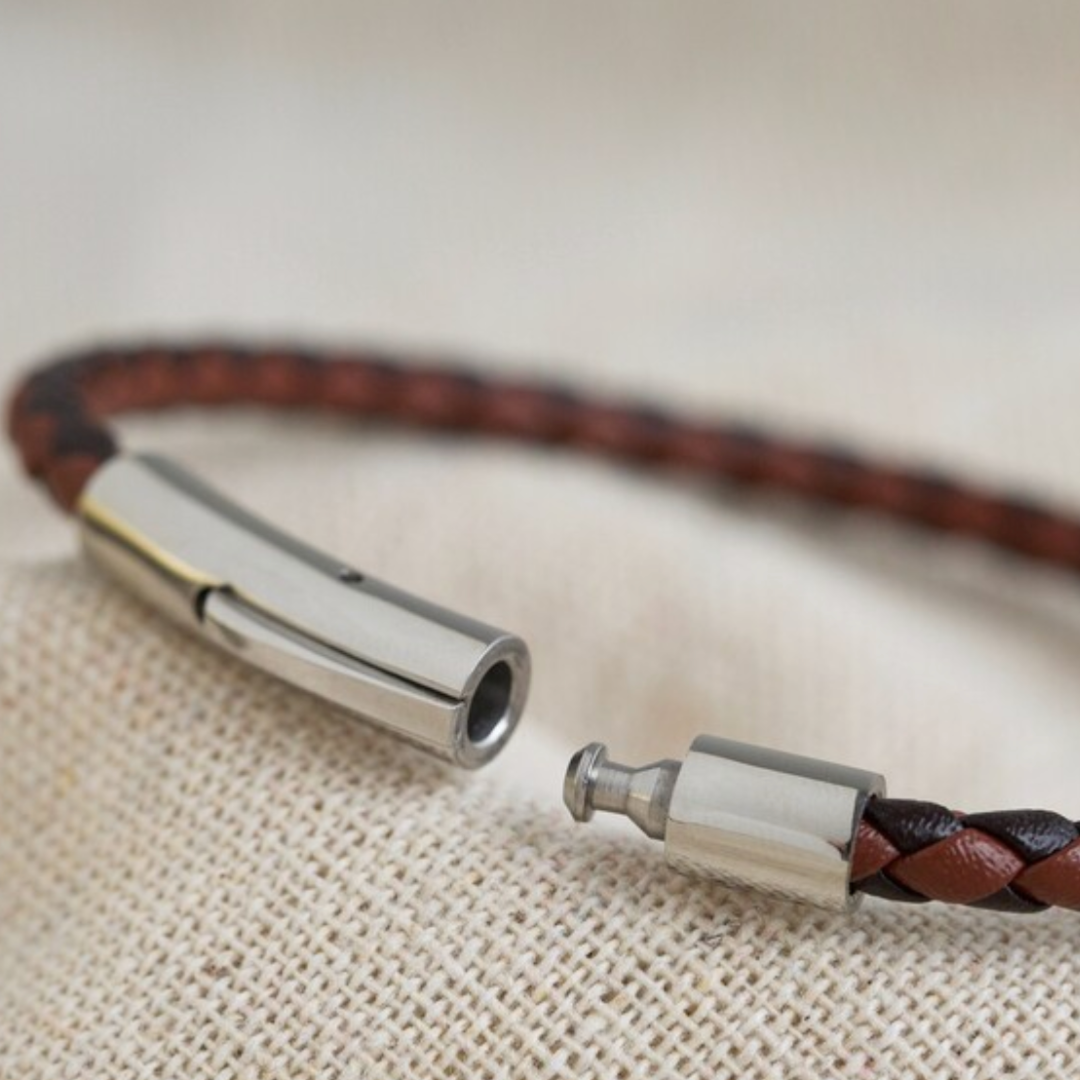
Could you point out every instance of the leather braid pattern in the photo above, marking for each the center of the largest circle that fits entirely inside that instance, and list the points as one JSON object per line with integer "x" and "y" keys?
{"x": 1019, "y": 861}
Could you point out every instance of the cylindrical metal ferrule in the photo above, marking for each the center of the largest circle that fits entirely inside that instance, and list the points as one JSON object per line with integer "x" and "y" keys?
{"x": 448, "y": 683}
{"x": 767, "y": 820}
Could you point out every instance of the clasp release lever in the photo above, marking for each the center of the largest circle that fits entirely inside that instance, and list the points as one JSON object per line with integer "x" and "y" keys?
{"x": 451, "y": 685}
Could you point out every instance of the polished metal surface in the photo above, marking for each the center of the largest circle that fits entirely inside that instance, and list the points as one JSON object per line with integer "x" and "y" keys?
{"x": 447, "y": 683}
{"x": 740, "y": 814}
{"x": 594, "y": 783}
{"x": 768, "y": 820}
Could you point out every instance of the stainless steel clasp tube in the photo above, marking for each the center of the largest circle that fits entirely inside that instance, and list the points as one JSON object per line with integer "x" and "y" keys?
{"x": 447, "y": 683}
{"x": 744, "y": 815}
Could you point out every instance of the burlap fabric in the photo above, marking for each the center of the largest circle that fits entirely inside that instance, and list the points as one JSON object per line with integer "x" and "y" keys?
{"x": 206, "y": 874}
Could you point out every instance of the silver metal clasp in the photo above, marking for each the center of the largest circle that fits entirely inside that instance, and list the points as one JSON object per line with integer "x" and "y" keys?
{"x": 744, "y": 815}
{"x": 451, "y": 685}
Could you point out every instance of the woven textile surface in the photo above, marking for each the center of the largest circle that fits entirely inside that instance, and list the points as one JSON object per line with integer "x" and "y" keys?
{"x": 859, "y": 224}
{"x": 206, "y": 876}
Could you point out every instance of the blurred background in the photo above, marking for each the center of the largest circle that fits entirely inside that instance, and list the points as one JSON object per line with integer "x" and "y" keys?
{"x": 851, "y": 219}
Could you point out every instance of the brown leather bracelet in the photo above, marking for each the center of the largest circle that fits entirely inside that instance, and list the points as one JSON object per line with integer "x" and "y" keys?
{"x": 1017, "y": 861}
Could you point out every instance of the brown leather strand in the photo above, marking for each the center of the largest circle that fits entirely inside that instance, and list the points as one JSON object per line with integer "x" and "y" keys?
{"x": 1019, "y": 860}
{"x": 911, "y": 851}
{"x": 56, "y": 421}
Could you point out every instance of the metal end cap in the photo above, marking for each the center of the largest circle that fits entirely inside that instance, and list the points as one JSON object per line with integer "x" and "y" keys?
{"x": 580, "y": 780}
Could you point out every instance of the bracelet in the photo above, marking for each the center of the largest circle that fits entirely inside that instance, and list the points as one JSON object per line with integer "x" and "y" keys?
{"x": 788, "y": 825}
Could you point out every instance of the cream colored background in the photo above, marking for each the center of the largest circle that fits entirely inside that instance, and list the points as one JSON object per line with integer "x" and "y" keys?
{"x": 851, "y": 220}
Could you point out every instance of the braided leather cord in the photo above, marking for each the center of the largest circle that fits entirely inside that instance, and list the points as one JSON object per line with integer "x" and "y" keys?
{"x": 1020, "y": 861}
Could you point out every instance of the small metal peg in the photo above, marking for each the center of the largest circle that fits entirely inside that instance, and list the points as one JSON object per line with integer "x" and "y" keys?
{"x": 580, "y": 780}
{"x": 593, "y": 782}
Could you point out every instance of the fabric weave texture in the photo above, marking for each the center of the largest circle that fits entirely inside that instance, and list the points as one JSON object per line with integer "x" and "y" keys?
{"x": 204, "y": 873}
{"x": 849, "y": 221}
